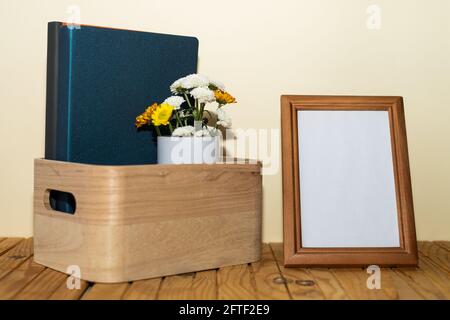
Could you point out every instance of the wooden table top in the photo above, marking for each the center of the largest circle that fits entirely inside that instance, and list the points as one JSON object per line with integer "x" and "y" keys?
{"x": 21, "y": 278}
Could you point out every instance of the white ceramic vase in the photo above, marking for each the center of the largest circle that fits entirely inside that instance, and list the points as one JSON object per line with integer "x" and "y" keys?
{"x": 188, "y": 150}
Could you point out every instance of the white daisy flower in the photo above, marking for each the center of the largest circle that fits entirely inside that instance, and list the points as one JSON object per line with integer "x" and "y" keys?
{"x": 223, "y": 118}
{"x": 175, "y": 101}
{"x": 206, "y": 132}
{"x": 212, "y": 131}
{"x": 211, "y": 106}
{"x": 203, "y": 94}
{"x": 194, "y": 81}
{"x": 219, "y": 85}
{"x": 186, "y": 131}
{"x": 176, "y": 86}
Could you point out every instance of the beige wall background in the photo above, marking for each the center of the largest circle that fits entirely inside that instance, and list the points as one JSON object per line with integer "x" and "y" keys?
{"x": 260, "y": 49}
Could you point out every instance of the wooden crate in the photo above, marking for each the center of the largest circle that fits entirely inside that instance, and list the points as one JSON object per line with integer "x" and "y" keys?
{"x": 137, "y": 222}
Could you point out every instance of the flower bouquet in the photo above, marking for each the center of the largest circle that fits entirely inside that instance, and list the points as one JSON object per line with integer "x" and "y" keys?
{"x": 184, "y": 121}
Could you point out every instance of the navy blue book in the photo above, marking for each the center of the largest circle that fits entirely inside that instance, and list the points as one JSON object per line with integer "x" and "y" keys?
{"x": 98, "y": 81}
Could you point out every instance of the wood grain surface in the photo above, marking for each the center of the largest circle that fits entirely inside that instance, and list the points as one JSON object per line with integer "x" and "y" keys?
{"x": 268, "y": 279}
{"x": 140, "y": 222}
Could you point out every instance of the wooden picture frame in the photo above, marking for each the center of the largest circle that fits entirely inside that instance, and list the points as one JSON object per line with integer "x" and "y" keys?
{"x": 296, "y": 254}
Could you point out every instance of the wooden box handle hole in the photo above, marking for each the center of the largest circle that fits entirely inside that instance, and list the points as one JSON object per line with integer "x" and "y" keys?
{"x": 60, "y": 201}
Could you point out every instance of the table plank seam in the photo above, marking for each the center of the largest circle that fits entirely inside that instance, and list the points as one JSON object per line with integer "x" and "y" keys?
{"x": 435, "y": 261}
{"x": 281, "y": 273}
{"x": 443, "y": 246}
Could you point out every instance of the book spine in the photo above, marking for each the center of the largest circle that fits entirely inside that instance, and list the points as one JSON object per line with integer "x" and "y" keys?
{"x": 56, "y": 143}
{"x": 52, "y": 91}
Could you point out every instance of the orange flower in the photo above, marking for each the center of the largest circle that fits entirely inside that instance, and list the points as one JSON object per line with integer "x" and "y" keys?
{"x": 146, "y": 117}
{"x": 223, "y": 97}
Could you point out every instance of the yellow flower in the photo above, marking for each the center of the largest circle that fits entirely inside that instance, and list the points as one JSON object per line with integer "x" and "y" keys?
{"x": 140, "y": 121}
{"x": 162, "y": 114}
{"x": 223, "y": 97}
{"x": 145, "y": 118}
